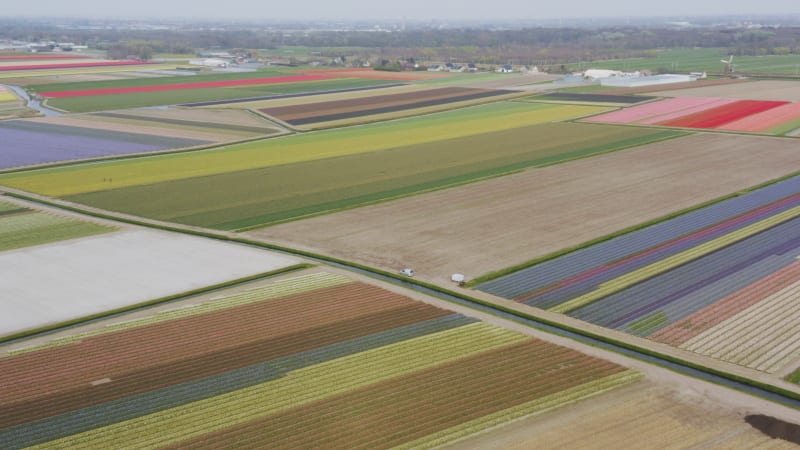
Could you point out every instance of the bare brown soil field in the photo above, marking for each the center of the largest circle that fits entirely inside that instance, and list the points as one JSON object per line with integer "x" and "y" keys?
{"x": 754, "y": 90}
{"x": 217, "y": 116}
{"x": 674, "y": 86}
{"x": 641, "y": 416}
{"x": 141, "y": 359}
{"x": 402, "y": 409}
{"x": 525, "y": 82}
{"x": 490, "y": 225}
{"x": 380, "y": 75}
{"x": 101, "y": 123}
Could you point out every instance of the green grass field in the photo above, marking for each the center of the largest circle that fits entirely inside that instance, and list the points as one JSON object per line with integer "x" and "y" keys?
{"x": 251, "y": 198}
{"x": 786, "y": 128}
{"x": 460, "y": 78}
{"x": 85, "y": 178}
{"x": 10, "y": 208}
{"x": 35, "y": 228}
{"x": 700, "y": 60}
{"x": 140, "y": 99}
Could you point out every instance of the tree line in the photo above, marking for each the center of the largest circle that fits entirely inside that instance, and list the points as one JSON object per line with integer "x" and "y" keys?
{"x": 529, "y": 45}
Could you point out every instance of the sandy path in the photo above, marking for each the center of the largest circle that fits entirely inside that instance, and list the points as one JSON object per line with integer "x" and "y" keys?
{"x": 487, "y": 226}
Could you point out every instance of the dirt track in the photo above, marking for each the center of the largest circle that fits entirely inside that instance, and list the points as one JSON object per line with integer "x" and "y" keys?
{"x": 487, "y": 226}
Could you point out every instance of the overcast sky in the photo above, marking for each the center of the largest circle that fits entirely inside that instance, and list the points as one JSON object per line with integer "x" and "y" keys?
{"x": 410, "y": 9}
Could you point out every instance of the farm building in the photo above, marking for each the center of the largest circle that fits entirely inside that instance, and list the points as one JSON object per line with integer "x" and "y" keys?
{"x": 595, "y": 74}
{"x": 209, "y": 62}
{"x": 643, "y": 80}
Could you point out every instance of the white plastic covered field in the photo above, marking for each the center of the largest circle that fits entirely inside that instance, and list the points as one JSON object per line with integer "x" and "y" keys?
{"x": 65, "y": 280}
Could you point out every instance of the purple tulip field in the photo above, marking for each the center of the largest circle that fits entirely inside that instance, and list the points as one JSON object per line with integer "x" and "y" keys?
{"x": 24, "y": 143}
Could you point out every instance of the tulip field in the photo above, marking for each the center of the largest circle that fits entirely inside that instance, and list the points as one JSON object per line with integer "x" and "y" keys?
{"x": 312, "y": 360}
{"x": 35, "y": 57}
{"x": 168, "y": 90}
{"x": 344, "y": 164}
{"x": 355, "y": 110}
{"x": 23, "y": 227}
{"x": 178, "y": 86}
{"x": 721, "y": 281}
{"x": 202, "y": 257}
{"x": 7, "y": 95}
{"x": 26, "y": 143}
{"x": 754, "y": 116}
{"x": 68, "y": 65}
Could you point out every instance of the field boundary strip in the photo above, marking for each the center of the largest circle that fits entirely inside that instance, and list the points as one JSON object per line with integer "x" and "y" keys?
{"x": 179, "y": 296}
{"x": 528, "y": 318}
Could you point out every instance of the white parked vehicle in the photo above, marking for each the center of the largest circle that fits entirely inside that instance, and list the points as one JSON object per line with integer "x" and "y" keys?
{"x": 409, "y": 272}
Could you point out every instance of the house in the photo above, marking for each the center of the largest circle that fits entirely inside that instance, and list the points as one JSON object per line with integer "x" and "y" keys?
{"x": 435, "y": 68}
{"x": 505, "y": 69}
